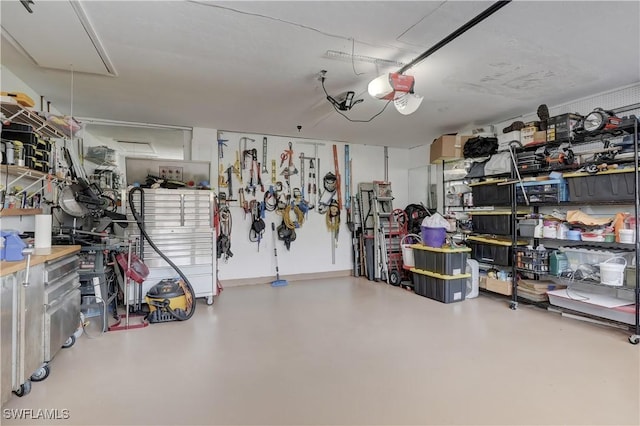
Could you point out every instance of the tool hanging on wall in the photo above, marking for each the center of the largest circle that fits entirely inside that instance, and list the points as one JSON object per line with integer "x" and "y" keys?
{"x": 290, "y": 169}
{"x": 264, "y": 155}
{"x": 273, "y": 171}
{"x": 221, "y": 145}
{"x": 223, "y": 237}
{"x": 242, "y": 148}
{"x": 222, "y": 183}
{"x": 316, "y": 163}
{"x": 333, "y": 224}
{"x": 236, "y": 168}
{"x": 347, "y": 186}
{"x": 254, "y": 171}
{"x": 327, "y": 196}
{"x": 257, "y": 224}
{"x": 301, "y": 156}
{"x": 337, "y": 170}
{"x": 230, "y": 183}
{"x": 311, "y": 185}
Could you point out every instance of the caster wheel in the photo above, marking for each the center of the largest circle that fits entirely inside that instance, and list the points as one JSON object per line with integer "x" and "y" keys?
{"x": 24, "y": 389}
{"x": 209, "y": 300}
{"x": 70, "y": 342}
{"x": 394, "y": 278}
{"x": 634, "y": 340}
{"x": 40, "y": 374}
{"x": 513, "y": 306}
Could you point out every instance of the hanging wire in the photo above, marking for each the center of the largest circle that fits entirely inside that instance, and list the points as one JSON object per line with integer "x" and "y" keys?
{"x": 353, "y": 64}
{"x": 340, "y": 112}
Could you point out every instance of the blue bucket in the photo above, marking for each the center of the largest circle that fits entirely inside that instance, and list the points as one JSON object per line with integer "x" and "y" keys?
{"x": 433, "y": 237}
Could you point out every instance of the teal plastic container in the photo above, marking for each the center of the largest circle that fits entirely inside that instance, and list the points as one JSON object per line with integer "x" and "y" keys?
{"x": 558, "y": 263}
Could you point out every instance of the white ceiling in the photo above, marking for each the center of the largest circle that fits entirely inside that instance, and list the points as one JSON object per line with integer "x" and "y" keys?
{"x": 251, "y": 66}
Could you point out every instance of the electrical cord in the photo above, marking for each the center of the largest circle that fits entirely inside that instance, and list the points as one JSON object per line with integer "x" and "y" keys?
{"x": 143, "y": 231}
{"x": 342, "y": 114}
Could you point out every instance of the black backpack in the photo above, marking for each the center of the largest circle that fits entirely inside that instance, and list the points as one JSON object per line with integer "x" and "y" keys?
{"x": 415, "y": 214}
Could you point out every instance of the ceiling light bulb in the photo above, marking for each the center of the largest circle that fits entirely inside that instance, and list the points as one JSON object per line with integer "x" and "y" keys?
{"x": 408, "y": 103}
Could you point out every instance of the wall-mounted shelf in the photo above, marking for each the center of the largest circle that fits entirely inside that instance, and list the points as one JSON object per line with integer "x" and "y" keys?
{"x": 19, "y": 212}
{"x": 15, "y": 112}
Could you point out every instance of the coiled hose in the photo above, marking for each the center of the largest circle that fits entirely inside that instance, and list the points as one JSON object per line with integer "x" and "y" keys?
{"x": 140, "y": 223}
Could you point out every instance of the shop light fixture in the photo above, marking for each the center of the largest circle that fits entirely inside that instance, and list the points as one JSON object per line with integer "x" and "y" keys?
{"x": 335, "y": 54}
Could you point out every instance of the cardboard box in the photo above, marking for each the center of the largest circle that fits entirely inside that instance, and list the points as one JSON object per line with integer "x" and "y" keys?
{"x": 447, "y": 147}
{"x": 527, "y": 135}
{"x": 540, "y": 137}
{"x": 498, "y": 286}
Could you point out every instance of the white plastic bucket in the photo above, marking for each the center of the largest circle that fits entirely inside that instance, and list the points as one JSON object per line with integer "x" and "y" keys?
{"x": 628, "y": 236}
{"x": 407, "y": 251}
{"x": 612, "y": 273}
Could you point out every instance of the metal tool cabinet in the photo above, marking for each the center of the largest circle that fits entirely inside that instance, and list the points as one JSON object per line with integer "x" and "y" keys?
{"x": 21, "y": 330}
{"x": 62, "y": 303}
{"x": 180, "y": 222}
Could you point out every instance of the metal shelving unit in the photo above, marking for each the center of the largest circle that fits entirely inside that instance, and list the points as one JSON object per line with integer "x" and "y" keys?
{"x": 16, "y": 112}
{"x": 634, "y": 338}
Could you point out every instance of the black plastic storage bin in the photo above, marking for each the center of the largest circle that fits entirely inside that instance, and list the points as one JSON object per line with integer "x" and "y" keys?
{"x": 490, "y": 251}
{"x": 443, "y": 288}
{"x": 490, "y": 194}
{"x": 496, "y": 223}
{"x": 19, "y": 132}
{"x": 442, "y": 261}
{"x": 614, "y": 185}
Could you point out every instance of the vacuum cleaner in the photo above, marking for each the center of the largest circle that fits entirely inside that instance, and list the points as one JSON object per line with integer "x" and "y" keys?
{"x": 170, "y": 299}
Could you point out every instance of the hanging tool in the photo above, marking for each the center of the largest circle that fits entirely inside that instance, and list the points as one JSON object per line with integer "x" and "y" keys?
{"x": 273, "y": 171}
{"x": 230, "y": 184}
{"x": 242, "y": 148}
{"x": 221, "y": 145}
{"x": 347, "y": 187}
{"x": 311, "y": 185}
{"x": 236, "y": 168}
{"x": 290, "y": 169}
{"x": 278, "y": 282}
{"x": 302, "y": 173}
{"x": 338, "y": 180}
{"x": 264, "y": 155}
{"x": 257, "y": 224}
{"x": 316, "y": 163}
{"x": 222, "y": 183}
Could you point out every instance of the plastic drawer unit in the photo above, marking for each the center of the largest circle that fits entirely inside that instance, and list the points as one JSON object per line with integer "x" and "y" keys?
{"x": 443, "y": 288}
{"x": 491, "y": 222}
{"x": 490, "y": 193}
{"x": 490, "y": 250}
{"x": 444, "y": 261}
{"x": 547, "y": 191}
{"x": 613, "y": 185}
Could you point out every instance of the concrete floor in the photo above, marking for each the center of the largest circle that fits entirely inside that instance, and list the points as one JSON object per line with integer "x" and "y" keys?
{"x": 347, "y": 351}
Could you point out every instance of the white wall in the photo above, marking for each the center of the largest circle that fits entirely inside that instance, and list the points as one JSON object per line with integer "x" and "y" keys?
{"x": 311, "y": 251}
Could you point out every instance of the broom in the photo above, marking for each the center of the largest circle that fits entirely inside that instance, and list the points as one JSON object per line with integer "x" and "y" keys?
{"x": 278, "y": 282}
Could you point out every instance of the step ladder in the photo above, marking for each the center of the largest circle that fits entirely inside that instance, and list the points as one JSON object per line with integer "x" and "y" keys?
{"x": 356, "y": 242}
{"x": 382, "y": 211}
{"x": 376, "y": 213}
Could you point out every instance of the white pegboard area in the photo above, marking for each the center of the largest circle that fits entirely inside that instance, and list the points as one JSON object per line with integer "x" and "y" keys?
{"x": 613, "y": 99}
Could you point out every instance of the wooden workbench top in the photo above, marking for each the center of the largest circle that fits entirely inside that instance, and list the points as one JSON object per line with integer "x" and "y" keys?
{"x": 57, "y": 252}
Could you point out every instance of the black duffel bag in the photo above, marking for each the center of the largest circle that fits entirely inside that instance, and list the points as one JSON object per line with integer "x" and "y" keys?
{"x": 480, "y": 147}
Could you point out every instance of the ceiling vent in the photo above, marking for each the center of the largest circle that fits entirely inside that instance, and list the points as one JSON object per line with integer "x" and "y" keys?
{"x": 65, "y": 23}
